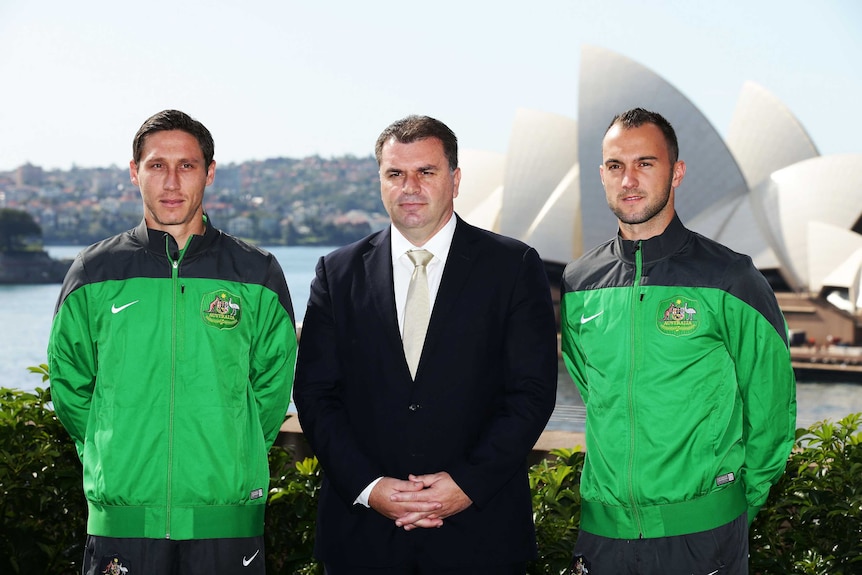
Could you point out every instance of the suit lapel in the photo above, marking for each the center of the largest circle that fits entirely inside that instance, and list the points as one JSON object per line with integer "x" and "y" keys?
{"x": 459, "y": 263}
{"x": 378, "y": 275}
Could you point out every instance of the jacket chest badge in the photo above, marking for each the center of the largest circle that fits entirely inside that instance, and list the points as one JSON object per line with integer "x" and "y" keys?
{"x": 221, "y": 309}
{"x": 677, "y": 316}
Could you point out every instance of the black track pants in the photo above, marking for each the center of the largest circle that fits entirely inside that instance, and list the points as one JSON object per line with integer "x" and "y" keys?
{"x": 719, "y": 551}
{"x": 241, "y": 556}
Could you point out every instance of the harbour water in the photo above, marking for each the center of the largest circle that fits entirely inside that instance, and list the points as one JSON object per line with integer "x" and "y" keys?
{"x": 28, "y": 309}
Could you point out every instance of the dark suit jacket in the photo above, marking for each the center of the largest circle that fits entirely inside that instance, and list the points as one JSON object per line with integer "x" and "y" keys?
{"x": 484, "y": 390}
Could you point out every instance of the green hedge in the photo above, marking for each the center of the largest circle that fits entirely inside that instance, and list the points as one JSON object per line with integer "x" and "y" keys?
{"x": 41, "y": 502}
{"x": 812, "y": 521}
{"x": 811, "y": 524}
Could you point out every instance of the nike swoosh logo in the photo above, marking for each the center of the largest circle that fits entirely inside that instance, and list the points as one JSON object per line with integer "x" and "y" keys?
{"x": 591, "y": 318}
{"x": 115, "y": 309}
{"x": 713, "y": 573}
{"x": 247, "y": 562}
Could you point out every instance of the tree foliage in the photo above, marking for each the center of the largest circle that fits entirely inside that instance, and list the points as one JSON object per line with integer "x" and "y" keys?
{"x": 16, "y": 226}
{"x": 555, "y": 487}
{"x": 42, "y": 504}
{"x": 811, "y": 523}
{"x": 291, "y": 514}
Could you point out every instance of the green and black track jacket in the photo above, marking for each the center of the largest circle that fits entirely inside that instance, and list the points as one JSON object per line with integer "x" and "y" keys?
{"x": 172, "y": 370}
{"x": 680, "y": 353}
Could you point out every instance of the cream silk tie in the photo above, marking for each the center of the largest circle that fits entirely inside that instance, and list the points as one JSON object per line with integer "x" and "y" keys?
{"x": 417, "y": 312}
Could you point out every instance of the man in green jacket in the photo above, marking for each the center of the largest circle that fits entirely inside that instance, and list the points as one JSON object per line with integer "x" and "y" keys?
{"x": 171, "y": 357}
{"x": 680, "y": 353}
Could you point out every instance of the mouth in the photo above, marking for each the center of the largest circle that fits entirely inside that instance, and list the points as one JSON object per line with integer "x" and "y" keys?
{"x": 411, "y": 204}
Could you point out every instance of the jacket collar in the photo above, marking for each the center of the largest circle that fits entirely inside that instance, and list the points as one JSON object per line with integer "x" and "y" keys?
{"x": 657, "y": 247}
{"x": 162, "y": 243}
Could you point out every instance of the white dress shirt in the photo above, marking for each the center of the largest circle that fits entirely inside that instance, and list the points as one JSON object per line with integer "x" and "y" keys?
{"x": 402, "y": 267}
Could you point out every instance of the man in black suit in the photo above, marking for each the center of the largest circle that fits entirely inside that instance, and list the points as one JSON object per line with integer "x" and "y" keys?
{"x": 424, "y": 452}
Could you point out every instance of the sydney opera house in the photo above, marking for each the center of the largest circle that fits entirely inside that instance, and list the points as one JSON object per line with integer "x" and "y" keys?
{"x": 763, "y": 190}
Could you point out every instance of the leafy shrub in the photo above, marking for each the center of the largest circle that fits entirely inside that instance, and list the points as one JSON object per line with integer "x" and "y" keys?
{"x": 291, "y": 513}
{"x": 555, "y": 489}
{"x": 42, "y": 505}
{"x": 44, "y": 512}
{"x": 812, "y": 521}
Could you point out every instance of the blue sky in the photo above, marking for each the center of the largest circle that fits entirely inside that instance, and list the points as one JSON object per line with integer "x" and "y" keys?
{"x": 285, "y": 78}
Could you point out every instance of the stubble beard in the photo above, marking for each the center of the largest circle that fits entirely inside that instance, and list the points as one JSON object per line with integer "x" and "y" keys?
{"x": 164, "y": 218}
{"x": 647, "y": 213}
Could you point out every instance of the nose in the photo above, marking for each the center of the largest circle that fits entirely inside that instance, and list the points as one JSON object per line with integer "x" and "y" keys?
{"x": 411, "y": 183}
{"x": 629, "y": 181}
{"x": 172, "y": 180}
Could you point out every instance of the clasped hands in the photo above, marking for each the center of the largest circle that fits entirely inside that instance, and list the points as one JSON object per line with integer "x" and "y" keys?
{"x": 420, "y": 501}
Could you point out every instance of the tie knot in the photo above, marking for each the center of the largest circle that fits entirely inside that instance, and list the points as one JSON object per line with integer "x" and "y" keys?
{"x": 420, "y": 257}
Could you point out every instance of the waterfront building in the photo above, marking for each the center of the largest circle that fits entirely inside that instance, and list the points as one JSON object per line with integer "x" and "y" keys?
{"x": 763, "y": 190}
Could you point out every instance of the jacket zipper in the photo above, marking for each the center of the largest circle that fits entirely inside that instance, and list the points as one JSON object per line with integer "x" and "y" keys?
{"x": 635, "y": 334}
{"x": 175, "y": 265}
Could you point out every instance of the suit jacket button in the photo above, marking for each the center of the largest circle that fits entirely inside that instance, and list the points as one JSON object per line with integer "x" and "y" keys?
{"x": 414, "y": 407}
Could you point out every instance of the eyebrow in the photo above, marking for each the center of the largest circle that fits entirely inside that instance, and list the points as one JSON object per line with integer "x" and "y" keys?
{"x": 639, "y": 159}
{"x": 419, "y": 169}
{"x": 163, "y": 160}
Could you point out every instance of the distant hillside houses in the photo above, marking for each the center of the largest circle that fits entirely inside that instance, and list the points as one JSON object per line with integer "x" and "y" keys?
{"x": 279, "y": 201}
{"x": 763, "y": 190}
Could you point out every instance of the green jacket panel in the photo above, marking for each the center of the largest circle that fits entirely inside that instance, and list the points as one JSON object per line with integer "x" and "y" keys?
{"x": 680, "y": 354}
{"x": 173, "y": 381}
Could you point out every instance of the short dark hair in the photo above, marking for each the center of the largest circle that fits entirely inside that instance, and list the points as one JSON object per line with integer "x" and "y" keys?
{"x": 174, "y": 120}
{"x": 414, "y": 128}
{"x": 637, "y": 117}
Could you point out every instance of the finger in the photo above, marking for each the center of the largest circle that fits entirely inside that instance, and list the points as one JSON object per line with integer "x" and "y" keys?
{"x": 423, "y": 519}
{"x": 401, "y": 485}
{"x": 429, "y": 523}
{"x": 424, "y": 524}
{"x": 414, "y": 497}
{"x": 426, "y": 480}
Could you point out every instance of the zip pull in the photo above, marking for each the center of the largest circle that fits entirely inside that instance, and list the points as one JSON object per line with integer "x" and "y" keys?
{"x": 637, "y": 256}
